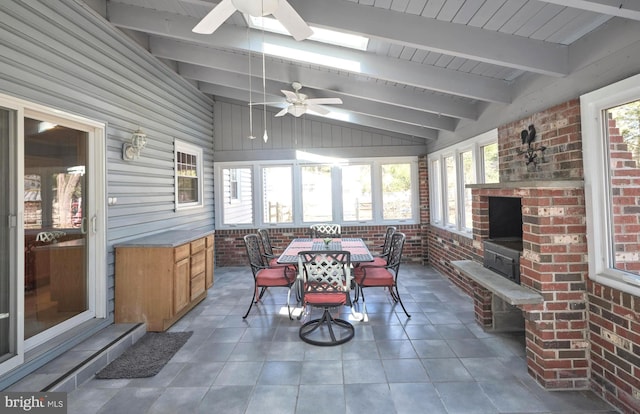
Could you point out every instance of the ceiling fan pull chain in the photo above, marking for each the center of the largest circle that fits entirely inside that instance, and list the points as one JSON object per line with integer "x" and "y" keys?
{"x": 265, "y": 137}
{"x": 250, "y": 95}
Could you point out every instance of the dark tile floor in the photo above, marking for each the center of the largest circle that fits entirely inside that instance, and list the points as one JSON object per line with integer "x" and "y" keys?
{"x": 438, "y": 361}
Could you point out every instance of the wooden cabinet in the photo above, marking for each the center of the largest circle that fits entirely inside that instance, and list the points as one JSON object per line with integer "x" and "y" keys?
{"x": 158, "y": 284}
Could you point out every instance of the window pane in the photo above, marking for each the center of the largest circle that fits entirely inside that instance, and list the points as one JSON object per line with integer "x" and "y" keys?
{"x": 316, "y": 193}
{"x": 436, "y": 192}
{"x": 237, "y": 196}
{"x": 187, "y": 190}
{"x": 277, "y": 193}
{"x": 466, "y": 158}
{"x": 356, "y": 193}
{"x": 624, "y": 186}
{"x": 188, "y": 175}
{"x": 396, "y": 191}
{"x": 450, "y": 183}
{"x": 490, "y": 163}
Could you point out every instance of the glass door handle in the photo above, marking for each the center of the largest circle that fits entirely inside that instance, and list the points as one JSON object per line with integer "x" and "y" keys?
{"x": 4, "y": 315}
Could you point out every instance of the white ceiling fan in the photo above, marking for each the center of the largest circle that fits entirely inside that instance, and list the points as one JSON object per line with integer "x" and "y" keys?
{"x": 299, "y": 104}
{"x": 280, "y": 9}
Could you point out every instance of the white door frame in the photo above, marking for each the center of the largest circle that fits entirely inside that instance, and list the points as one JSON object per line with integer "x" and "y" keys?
{"x": 96, "y": 216}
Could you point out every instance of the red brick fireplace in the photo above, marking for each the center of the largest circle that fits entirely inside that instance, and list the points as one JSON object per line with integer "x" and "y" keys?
{"x": 553, "y": 264}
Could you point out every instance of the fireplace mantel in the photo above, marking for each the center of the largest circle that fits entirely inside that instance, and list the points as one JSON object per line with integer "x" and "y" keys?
{"x": 531, "y": 184}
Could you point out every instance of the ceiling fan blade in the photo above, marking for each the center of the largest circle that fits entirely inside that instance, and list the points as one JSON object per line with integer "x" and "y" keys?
{"x": 266, "y": 103}
{"x": 283, "y": 112}
{"x": 215, "y": 18}
{"x": 292, "y": 21}
{"x": 324, "y": 101}
{"x": 317, "y": 109}
{"x": 291, "y": 96}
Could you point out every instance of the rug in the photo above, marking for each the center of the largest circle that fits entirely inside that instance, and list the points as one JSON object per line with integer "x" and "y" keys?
{"x": 146, "y": 357}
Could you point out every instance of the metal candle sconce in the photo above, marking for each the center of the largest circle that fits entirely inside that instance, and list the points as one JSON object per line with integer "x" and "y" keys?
{"x": 528, "y": 136}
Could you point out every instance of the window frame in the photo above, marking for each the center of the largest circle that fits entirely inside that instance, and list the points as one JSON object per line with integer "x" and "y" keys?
{"x": 596, "y": 166}
{"x": 438, "y": 179}
{"x": 187, "y": 148}
{"x": 336, "y": 193}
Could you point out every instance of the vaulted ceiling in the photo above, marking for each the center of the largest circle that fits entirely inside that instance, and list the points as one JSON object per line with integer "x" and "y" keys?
{"x": 429, "y": 63}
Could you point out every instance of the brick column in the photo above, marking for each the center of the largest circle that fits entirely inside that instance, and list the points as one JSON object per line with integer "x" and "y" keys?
{"x": 554, "y": 263}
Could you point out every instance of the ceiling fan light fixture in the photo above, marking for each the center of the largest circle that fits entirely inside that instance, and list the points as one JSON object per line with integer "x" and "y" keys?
{"x": 297, "y": 109}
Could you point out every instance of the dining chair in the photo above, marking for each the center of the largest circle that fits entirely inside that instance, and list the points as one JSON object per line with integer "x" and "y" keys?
{"x": 385, "y": 276}
{"x": 326, "y": 279}
{"x": 265, "y": 276}
{"x": 322, "y": 230}
{"x": 267, "y": 248}
{"x": 382, "y": 258}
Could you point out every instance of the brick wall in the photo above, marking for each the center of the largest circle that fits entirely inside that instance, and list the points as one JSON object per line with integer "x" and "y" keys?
{"x": 558, "y": 129}
{"x": 230, "y": 250}
{"x": 614, "y": 316}
{"x": 446, "y": 246}
{"x": 614, "y": 322}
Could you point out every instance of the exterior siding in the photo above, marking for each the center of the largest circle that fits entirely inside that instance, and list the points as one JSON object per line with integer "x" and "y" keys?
{"x": 288, "y": 134}
{"x": 61, "y": 54}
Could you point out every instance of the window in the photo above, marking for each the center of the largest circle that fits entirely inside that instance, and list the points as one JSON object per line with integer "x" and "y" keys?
{"x": 357, "y": 202}
{"x": 490, "y": 163}
{"x": 188, "y": 170}
{"x": 234, "y": 191}
{"x": 468, "y": 177}
{"x": 316, "y": 189}
{"x": 451, "y": 170}
{"x": 436, "y": 192}
{"x": 610, "y": 139}
{"x": 316, "y": 193}
{"x": 237, "y": 197}
{"x": 451, "y": 189}
{"x": 277, "y": 195}
{"x": 396, "y": 192}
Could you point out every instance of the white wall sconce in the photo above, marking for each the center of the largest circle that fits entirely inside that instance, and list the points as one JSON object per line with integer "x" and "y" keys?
{"x": 131, "y": 151}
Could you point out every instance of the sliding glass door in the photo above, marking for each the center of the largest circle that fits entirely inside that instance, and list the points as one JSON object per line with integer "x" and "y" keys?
{"x": 52, "y": 232}
{"x": 7, "y": 285}
{"x": 55, "y": 227}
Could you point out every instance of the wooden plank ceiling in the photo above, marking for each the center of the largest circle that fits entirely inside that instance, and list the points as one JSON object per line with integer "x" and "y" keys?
{"x": 428, "y": 64}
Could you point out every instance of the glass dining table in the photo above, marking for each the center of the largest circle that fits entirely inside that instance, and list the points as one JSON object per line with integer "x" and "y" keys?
{"x": 357, "y": 247}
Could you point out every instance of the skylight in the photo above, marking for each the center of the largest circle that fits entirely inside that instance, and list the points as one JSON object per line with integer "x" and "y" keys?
{"x": 331, "y": 37}
{"x": 311, "y": 57}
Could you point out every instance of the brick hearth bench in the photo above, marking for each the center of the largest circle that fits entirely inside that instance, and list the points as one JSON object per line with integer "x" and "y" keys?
{"x": 498, "y": 302}
{"x": 507, "y": 290}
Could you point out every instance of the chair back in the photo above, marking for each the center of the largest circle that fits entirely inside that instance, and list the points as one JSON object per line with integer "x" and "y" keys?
{"x": 266, "y": 242}
{"x": 256, "y": 260}
{"x": 386, "y": 247}
{"x": 395, "y": 252}
{"x": 325, "y": 230}
{"x": 326, "y": 275}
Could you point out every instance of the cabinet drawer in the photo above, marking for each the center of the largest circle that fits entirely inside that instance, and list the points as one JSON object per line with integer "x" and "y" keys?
{"x": 182, "y": 252}
{"x": 197, "y": 245}
{"x": 198, "y": 262}
{"x": 197, "y": 285}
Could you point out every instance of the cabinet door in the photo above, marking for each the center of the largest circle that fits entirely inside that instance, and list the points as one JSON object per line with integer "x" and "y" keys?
{"x": 198, "y": 265}
{"x": 209, "y": 264}
{"x": 181, "y": 284}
